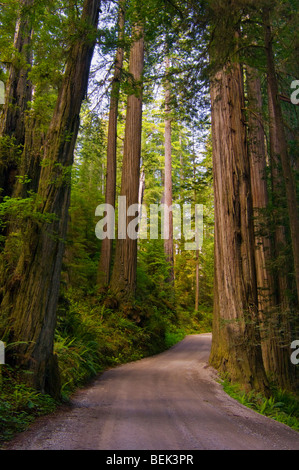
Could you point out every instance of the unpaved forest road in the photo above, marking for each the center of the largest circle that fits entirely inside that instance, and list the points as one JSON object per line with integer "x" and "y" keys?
{"x": 167, "y": 402}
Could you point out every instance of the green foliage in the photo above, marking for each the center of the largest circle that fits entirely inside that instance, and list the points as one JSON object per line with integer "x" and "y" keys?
{"x": 281, "y": 406}
{"x": 20, "y": 212}
{"x": 82, "y": 247}
{"x": 19, "y": 404}
{"x": 10, "y": 153}
{"x": 8, "y": 16}
{"x": 153, "y": 265}
{"x": 174, "y": 337}
{"x": 23, "y": 209}
{"x": 91, "y": 338}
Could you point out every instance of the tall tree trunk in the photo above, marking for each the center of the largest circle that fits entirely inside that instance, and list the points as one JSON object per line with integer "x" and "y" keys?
{"x": 236, "y": 343}
{"x": 107, "y": 243}
{"x": 182, "y": 240}
{"x": 275, "y": 352}
{"x": 279, "y": 361}
{"x": 280, "y": 237}
{"x": 288, "y": 175}
{"x": 123, "y": 280}
{"x": 31, "y": 292}
{"x": 30, "y": 165}
{"x": 168, "y": 220}
{"x": 282, "y": 184}
{"x": 18, "y": 94}
{"x": 197, "y": 251}
{"x": 260, "y": 199}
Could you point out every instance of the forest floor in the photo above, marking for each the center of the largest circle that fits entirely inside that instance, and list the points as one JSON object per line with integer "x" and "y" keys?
{"x": 171, "y": 401}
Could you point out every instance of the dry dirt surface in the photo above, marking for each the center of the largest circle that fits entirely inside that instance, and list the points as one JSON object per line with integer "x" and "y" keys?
{"x": 171, "y": 401}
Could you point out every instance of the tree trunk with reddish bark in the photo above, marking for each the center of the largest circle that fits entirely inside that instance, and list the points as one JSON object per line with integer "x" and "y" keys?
{"x": 18, "y": 94}
{"x": 236, "y": 346}
{"x": 168, "y": 219}
{"x": 282, "y": 149}
{"x": 275, "y": 346}
{"x": 123, "y": 280}
{"x": 107, "y": 244}
{"x": 31, "y": 291}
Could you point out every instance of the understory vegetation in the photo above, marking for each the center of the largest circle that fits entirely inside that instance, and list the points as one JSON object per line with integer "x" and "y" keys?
{"x": 281, "y": 405}
{"x": 90, "y": 339}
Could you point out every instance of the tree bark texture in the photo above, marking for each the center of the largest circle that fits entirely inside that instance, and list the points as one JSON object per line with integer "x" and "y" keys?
{"x": 275, "y": 345}
{"x": 236, "y": 344}
{"x": 18, "y": 94}
{"x": 30, "y": 165}
{"x": 197, "y": 251}
{"x": 288, "y": 175}
{"x": 123, "y": 280}
{"x": 260, "y": 199}
{"x": 280, "y": 237}
{"x": 107, "y": 243}
{"x": 168, "y": 221}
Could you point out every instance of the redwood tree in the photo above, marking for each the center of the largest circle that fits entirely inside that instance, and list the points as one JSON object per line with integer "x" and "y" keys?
{"x": 275, "y": 345}
{"x": 236, "y": 344}
{"x": 168, "y": 219}
{"x": 278, "y": 138}
{"x": 30, "y": 292}
{"x": 123, "y": 280}
{"x": 107, "y": 243}
{"x": 18, "y": 94}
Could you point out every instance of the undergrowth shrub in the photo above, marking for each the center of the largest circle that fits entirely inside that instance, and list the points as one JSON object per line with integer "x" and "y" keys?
{"x": 19, "y": 404}
{"x": 91, "y": 338}
{"x": 94, "y": 334}
{"x": 282, "y": 406}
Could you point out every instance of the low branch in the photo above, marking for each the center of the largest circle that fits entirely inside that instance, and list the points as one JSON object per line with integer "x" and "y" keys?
{"x": 287, "y": 99}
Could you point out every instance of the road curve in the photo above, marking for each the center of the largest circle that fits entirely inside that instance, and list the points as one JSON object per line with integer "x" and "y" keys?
{"x": 171, "y": 401}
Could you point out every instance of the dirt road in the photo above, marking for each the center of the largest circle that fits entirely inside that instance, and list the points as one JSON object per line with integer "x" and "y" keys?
{"x": 168, "y": 402}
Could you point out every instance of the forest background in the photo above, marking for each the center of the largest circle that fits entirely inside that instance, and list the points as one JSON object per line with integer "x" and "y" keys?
{"x": 211, "y": 82}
